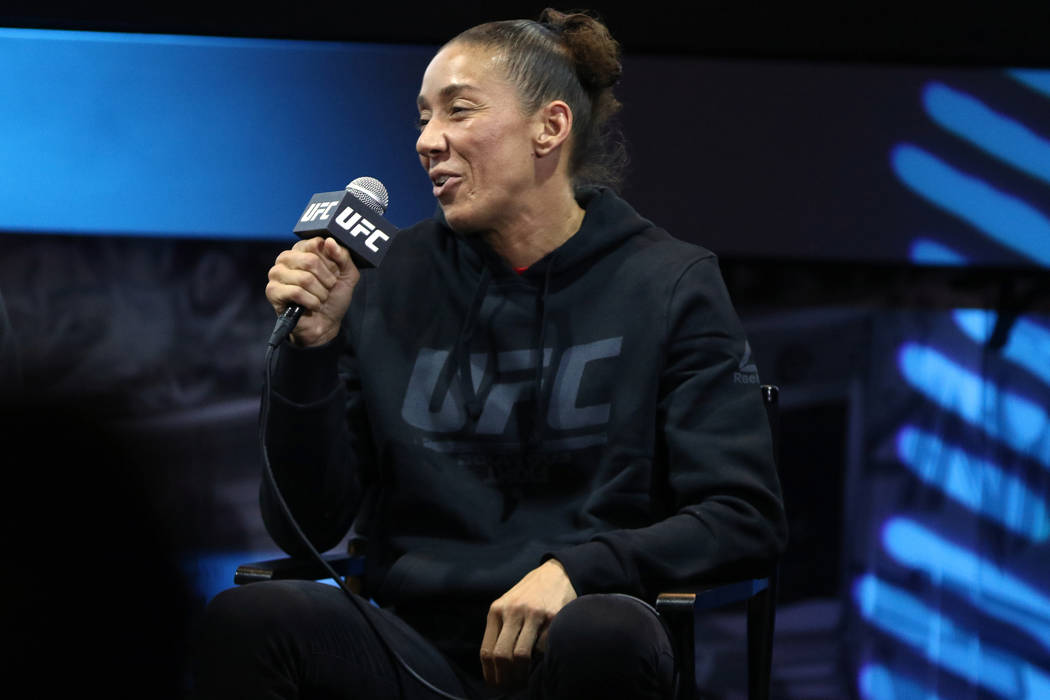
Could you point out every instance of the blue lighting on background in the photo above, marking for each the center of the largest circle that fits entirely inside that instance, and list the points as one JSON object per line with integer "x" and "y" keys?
{"x": 996, "y": 134}
{"x": 1038, "y": 80}
{"x": 1015, "y": 420}
{"x": 976, "y": 483}
{"x": 929, "y": 252}
{"x": 991, "y": 590}
{"x": 940, "y": 640}
{"x": 1028, "y": 344}
{"x": 108, "y": 133}
{"x": 1004, "y": 217}
{"x": 212, "y": 572}
{"x": 880, "y": 683}
{"x": 975, "y": 569}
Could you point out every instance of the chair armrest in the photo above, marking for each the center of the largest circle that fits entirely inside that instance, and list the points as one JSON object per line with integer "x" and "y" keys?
{"x": 289, "y": 568}
{"x": 711, "y": 597}
{"x": 678, "y": 609}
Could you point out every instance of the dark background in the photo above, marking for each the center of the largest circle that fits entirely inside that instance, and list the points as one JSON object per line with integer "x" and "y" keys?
{"x": 164, "y": 337}
{"x": 928, "y": 33}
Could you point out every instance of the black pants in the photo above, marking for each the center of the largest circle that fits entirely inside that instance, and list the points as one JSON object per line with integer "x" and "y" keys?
{"x": 301, "y": 639}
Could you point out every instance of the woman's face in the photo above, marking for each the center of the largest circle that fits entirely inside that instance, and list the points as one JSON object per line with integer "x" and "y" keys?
{"x": 474, "y": 143}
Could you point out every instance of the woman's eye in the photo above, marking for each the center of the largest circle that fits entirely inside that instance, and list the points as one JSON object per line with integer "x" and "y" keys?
{"x": 422, "y": 122}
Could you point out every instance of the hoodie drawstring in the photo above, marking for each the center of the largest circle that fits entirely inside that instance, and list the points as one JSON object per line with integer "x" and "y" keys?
{"x": 541, "y": 312}
{"x": 460, "y": 354}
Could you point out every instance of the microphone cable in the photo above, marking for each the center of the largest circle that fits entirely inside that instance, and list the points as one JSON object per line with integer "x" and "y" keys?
{"x": 285, "y": 323}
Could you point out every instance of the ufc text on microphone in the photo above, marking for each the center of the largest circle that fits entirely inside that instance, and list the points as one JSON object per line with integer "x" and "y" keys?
{"x": 349, "y": 220}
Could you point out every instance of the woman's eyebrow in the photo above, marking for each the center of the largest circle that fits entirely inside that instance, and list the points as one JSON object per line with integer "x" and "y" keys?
{"x": 446, "y": 92}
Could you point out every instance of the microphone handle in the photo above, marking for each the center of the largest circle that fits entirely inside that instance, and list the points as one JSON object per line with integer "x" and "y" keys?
{"x": 285, "y": 323}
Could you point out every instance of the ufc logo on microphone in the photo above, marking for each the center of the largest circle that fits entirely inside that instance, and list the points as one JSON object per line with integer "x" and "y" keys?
{"x": 318, "y": 210}
{"x": 352, "y": 222}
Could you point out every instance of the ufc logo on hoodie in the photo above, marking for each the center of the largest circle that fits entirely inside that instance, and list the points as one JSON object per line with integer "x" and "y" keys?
{"x": 501, "y": 387}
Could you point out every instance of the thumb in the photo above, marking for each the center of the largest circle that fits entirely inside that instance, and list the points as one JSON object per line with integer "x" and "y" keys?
{"x": 339, "y": 255}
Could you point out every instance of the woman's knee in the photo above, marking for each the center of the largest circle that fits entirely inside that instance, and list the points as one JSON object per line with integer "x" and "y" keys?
{"x": 255, "y": 608}
{"x": 271, "y": 635}
{"x": 611, "y": 642}
{"x": 610, "y": 624}
{"x": 276, "y": 619}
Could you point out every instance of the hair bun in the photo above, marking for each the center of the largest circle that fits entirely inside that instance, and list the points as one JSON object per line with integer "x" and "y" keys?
{"x": 595, "y": 53}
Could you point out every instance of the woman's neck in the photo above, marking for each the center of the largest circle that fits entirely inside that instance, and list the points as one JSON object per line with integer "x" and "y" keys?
{"x": 538, "y": 231}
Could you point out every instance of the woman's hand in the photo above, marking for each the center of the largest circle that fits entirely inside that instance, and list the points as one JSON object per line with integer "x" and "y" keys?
{"x": 518, "y": 621}
{"x": 318, "y": 275}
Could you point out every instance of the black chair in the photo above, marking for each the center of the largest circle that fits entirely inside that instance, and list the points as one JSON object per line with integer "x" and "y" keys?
{"x": 680, "y": 608}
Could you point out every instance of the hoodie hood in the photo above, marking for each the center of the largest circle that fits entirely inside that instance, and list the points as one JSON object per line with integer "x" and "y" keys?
{"x": 608, "y": 221}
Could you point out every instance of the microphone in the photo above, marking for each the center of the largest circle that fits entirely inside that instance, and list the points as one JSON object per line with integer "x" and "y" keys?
{"x": 354, "y": 218}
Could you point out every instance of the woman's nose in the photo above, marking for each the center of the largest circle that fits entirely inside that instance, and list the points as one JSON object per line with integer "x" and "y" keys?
{"x": 430, "y": 141}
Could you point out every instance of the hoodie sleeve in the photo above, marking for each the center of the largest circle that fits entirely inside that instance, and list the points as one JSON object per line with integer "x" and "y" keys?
{"x": 727, "y": 516}
{"x": 317, "y": 440}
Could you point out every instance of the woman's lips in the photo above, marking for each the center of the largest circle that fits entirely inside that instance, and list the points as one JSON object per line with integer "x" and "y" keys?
{"x": 446, "y": 186}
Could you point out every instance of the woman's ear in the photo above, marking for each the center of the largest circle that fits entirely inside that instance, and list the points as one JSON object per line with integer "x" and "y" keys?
{"x": 555, "y": 125}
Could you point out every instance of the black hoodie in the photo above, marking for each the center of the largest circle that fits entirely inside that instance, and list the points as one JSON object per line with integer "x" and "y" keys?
{"x": 599, "y": 408}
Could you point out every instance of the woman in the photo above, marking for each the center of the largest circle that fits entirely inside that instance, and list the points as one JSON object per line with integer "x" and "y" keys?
{"x": 538, "y": 393}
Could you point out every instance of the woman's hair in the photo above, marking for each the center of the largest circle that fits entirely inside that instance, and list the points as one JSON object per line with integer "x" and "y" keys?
{"x": 570, "y": 57}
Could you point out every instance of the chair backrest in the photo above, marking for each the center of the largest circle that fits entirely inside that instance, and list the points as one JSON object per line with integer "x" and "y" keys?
{"x": 771, "y": 400}
{"x": 680, "y": 608}
{"x": 762, "y": 608}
